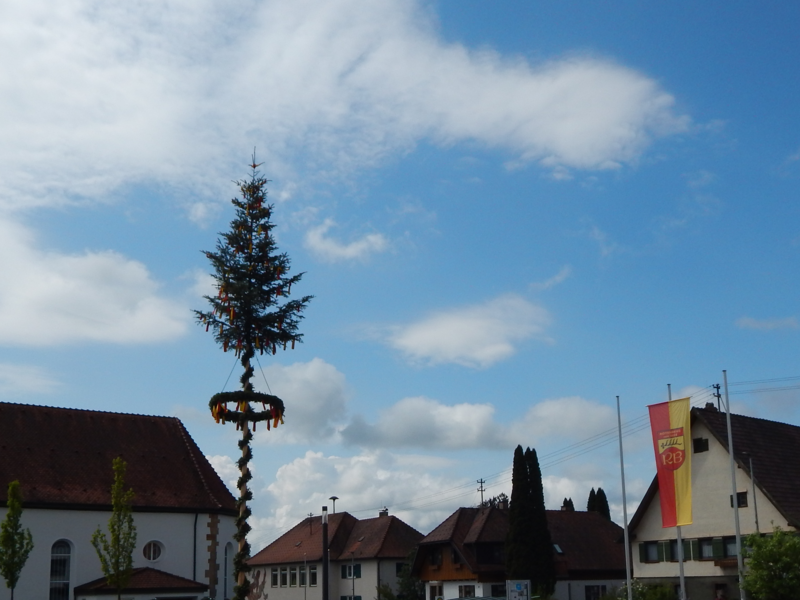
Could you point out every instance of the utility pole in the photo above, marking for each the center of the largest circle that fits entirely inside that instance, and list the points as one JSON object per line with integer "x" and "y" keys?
{"x": 481, "y": 489}
{"x": 717, "y": 395}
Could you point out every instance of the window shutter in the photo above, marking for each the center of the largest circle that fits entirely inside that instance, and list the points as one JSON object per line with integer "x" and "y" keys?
{"x": 357, "y": 571}
{"x": 718, "y": 548}
{"x": 344, "y": 574}
{"x": 687, "y": 550}
{"x": 695, "y": 544}
{"x": 668, "y": 551}
{"x": 661, "y": 552}
{"x": 642, "y": 552}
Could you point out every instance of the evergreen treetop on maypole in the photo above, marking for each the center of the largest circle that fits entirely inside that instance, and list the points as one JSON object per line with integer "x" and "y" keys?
{"x": 250, "y": 313}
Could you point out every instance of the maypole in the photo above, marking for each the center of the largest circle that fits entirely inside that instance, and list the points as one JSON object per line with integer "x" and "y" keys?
{"x": 250, "y": 313}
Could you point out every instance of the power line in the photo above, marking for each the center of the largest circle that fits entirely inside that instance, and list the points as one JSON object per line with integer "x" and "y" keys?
{"x": 571, "y": 451}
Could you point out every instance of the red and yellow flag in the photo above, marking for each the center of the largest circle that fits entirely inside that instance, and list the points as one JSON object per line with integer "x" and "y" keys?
{"x": 669, "y": 422}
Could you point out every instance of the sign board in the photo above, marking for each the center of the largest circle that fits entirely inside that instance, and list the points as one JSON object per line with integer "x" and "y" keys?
{"x": 518, "y": 589}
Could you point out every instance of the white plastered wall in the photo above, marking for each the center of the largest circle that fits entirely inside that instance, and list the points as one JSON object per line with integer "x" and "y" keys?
{"x": 712, "y": 514}
{"x": 175, "y": 532}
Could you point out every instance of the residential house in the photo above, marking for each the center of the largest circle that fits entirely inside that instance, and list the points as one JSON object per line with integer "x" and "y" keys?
{"x": 709, "y": 543}
{"x": 464, "y": 556}
{"x": 363, "y": 555}
{"x": 184, "y": 514}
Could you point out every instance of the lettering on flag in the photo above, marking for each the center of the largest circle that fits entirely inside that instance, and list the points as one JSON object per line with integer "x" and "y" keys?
{"x": 671, "y": 448}
{"x": 670, "y": 423}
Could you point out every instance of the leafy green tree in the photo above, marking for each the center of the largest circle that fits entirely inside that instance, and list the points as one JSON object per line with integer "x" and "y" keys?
{"x": 641, "y": 591}
{"x": 772, "y": 565}
{"x": 250, "y": 313}
{"x": 116, "y": 551}
{"x": 409, "y": 587}
{"x": 494, "y": 501}
{"x": 544, "y": 567}
{"x": 16, "y": 543}
{"x": 601, "y": 504}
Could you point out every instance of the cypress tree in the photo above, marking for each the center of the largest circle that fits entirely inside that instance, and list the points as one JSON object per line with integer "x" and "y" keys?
{"x": 543, "y": 577}
{"x": 519, "y": 554}
{"x": 601, "y": 503}
{"x": 592, "y": 503}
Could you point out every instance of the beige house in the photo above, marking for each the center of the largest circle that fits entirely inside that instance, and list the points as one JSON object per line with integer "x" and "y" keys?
{"x": 709, "y": 543}
{"x": 363, "y": 554}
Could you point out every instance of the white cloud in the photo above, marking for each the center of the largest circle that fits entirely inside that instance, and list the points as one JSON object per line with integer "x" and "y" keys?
{"x": 99, "y": 95}
{"x": 607, "y": 246}
{"x": 474, "y": 336}
{"x": 364, "y": 483}
{"x": 563, "y": 419}
{"x": 560, "y": 277}
{"x": 766, "y": 324}
{"x": 425, "y": 423}
{"x": 25, "y": 379}
{"x": 331, "y": 250}
{"x": 315, "y": 396}
{"x": 50, "y": 298}
{"x": 227, "y": 470}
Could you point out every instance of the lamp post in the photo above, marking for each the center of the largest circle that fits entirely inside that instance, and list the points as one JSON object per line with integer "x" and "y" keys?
{"x": 324, "y": 553}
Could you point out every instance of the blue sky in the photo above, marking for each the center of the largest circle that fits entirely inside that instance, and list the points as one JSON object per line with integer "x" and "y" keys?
{"x": 508, "y": 214}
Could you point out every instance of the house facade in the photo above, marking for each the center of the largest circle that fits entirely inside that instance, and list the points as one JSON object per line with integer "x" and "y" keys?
{"x": 363, "y": 555}
{"x": 184, "y": 514}
{"x": 709, "y": 544}
{"x": 464, "y": 556}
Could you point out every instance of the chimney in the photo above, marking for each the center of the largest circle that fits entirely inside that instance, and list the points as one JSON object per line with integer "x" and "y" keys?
{"x": 384, "y": 512}
{"x": 503, "y": 504}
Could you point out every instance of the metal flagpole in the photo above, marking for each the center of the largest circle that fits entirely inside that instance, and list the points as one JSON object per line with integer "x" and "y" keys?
{"x": 734, "y": 499}
{"x": 678, "y": 528}
{"x": 624, "y": 507}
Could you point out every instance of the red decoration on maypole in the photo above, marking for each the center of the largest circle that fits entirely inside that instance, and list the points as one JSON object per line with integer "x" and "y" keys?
{"x": 246, "y": 316}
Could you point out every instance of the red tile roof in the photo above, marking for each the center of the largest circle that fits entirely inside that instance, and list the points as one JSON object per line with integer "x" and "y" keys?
{"x": 145, "y": 580}
{"x": 590, "y": 544}
{"x": 381, "y": 537}
{"x": 774, "y": 448}
{"x": 62, "y": 458}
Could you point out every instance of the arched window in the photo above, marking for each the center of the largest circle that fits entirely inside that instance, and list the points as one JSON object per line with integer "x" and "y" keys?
{"x": 59, "y": 570}
{"x": 227, "y": 572}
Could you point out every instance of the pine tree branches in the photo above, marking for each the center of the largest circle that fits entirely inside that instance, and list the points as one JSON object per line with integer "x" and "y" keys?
{"x": 250, "y": 313}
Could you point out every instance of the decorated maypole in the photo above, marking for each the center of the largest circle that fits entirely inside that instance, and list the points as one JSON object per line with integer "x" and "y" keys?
{"x": 250, "y": 313}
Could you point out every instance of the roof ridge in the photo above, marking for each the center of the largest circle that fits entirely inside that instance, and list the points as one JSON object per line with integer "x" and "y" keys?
{"x": 84, "y": 410}
{"x": 184, "y": 435}
{"x": 722, "y": 414}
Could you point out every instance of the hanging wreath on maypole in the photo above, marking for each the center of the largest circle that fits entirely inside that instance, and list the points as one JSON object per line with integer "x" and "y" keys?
{"x": 250, "y": 313}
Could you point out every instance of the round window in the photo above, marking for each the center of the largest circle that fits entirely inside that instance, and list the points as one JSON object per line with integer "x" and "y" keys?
{"x": 152, "y": 550}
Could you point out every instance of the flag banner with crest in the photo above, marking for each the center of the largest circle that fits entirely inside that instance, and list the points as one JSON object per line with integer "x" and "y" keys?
{"x": 669, "y": 422}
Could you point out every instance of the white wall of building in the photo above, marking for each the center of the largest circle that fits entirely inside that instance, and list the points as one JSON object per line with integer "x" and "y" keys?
{"x": 364, "y": 586}
{"x": 712, "y": 514}
{"x": 174, "y": 531}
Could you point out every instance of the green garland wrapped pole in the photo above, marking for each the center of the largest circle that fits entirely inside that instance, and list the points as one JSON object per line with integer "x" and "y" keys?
{"x": 250, "y": 313}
